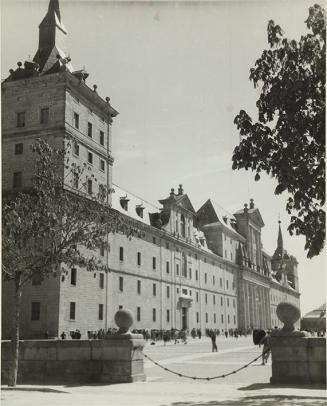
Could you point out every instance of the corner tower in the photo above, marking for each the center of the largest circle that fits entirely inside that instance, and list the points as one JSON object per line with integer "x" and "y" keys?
{"x": 47, "y": 98}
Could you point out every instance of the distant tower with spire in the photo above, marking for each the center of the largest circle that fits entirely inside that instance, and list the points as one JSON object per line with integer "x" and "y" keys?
{"x": 284, "y": 265}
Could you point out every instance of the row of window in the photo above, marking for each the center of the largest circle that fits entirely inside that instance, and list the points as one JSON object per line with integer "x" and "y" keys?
{"x": 90, "y": 132}
{"x": 17, "y": 182}
{"x": 36, "y": 311}
{"x": 184, "y": 292}
{"x": 21, "y": 117}
{"x": 73, "y": 278}
{"x": 184, "y": 269}
{"x": 90, "y": 160}
{"x": 44, "y": 119}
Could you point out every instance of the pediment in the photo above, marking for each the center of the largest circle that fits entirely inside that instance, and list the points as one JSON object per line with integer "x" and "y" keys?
{"x": 257, "y": 218}
{"x": 185, "y": 203}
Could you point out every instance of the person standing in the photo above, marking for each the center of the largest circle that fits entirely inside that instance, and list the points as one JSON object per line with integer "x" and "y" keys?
{"x": 213, "y": 341}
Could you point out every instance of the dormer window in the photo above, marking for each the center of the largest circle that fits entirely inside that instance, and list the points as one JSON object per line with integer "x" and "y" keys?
{"x": 124, "y": 202}
{"x": 139, "y": 210}
{"x": 225, "y": 219}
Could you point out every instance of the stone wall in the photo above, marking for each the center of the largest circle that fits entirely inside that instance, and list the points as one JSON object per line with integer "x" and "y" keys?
{"x": 116, "y": 360}
{"x": 298, "y": 360}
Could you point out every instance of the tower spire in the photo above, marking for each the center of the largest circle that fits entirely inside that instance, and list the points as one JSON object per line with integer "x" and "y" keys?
{"x": 51, "y": 54}
{"x": 280, "y": 238}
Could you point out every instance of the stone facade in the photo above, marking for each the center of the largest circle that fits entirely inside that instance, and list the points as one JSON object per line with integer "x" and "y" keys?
{"x": 185, "y": 268}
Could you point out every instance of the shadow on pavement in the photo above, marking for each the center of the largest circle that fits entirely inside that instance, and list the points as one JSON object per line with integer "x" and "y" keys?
{"x": 258, "y": 386}
{"x": 32, "y": 389}
{"x": 269, "y": 400}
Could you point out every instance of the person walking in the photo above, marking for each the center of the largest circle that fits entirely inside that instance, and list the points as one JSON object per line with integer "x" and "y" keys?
{"x": 265, "y": 341}
{"x": 213, "y": 341}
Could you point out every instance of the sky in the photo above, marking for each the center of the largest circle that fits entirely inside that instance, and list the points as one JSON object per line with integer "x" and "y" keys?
{"x": 178, "y": 73}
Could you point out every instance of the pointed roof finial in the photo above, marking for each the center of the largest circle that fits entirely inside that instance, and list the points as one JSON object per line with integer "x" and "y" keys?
{"x": 280, "y": 237}
{"x": 54, "y": 7}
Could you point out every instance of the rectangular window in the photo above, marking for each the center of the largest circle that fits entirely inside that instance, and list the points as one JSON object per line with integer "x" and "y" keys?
{"x": 221, "y": 282}
{"x": 21, "y": 119}
{"x": 76, "y": 120}
{"x": 138, "y": 314}
{"x": 75, "y": 180}
{"x": 214, "y": 299}
{"x": 101, "y": 138}
{"x": 226, "y": 284}
{"x": 234, "y": 319}
{"x": 206, "y": 298}
{"x": 154, "y": 315}
{"x": 205, "y": 278}
{"x": 72, "y": 310}
{"x": 197, "y": 297}
{"x": 138, "y": 258}
{"x": 154, "y": 263}
{"x": 197, "y": 317}
{"x": 121, "y": 253}
{"x": 89, "y": 186}
{"x": 89, "y": 130}
{"x": 154, "y": 289}
{"x": 102, "y": 250}
{"x": 44, "y": 116}
{"x": 196, "y": 275}
{"x": 76, "y": 148}
{"x": 121, "y": 283}
{"x": 73, "y": 276}
{"x": 234, "y": 303}
{"x": 206, "y": 317}
{"x": 19, "y": 148}
{"x": 36, "y": 280}
{"x": 228, "y": 302}
{"x": 35, "y": 311}
{"x": 213, "y": 280}
{"x": 90, "y": 158}
{"x": 222, "y": 318}
{"x": 214, "y": 318}
{"x": 167, "y": 267}
{"x": 102, "y": 165}
{"x": 168, "y": 316}
{"x": 100, "y": 311}
{"x": 221, "y": 300}
{"x": 17, "y": 179}
{"x": 154, "y": 240}
{"x": 190, "y": 273}
{"x": 138, "y": 287}
{"x": 101, "y": 281}
{"x": 177, "y": 269}
{"x": 228, "y": 319}
{"x": 167, "y": 245}
{"x": 168, "y": 292}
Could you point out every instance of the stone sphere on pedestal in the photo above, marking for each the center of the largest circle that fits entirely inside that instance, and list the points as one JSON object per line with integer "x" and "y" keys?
{"x": 288, "y": 314}
{"x": 124, "y": 320}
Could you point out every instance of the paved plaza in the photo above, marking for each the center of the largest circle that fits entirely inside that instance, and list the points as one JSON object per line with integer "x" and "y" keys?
{"x": 247, "y": 387}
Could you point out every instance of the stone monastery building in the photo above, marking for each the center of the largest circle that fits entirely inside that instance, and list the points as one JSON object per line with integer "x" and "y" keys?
{"x": 186, "y": 268}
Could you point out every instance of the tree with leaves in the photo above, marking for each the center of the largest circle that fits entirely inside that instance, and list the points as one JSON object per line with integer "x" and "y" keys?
{"x": 48, "y": 227}
{"x": 288, "y": 140}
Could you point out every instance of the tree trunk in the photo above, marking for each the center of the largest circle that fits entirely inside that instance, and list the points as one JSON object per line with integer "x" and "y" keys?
{"x": 15, "y": 335}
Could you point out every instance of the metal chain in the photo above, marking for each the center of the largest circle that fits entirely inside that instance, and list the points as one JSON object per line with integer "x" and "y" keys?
{"x": 208, "y": 378}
